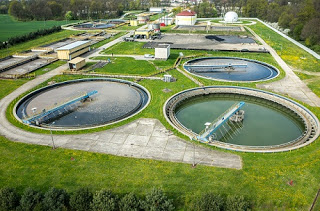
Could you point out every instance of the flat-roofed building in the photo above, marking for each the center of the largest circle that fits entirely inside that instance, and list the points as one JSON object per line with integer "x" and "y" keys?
{"x": 73, "y": 50}
{"x": 162, "y": 51}
{"x": 77, "y": 63}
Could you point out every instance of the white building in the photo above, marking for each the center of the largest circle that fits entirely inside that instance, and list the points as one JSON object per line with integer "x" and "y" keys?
{"x": 186, "y": 18}
{"x": 231, "y": 17}
{"x": 157, "y": 10}
{"x": 162, "y": 51}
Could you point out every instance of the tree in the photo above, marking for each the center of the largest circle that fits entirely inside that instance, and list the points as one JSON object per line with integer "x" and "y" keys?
{"x": 16, "y": 9}
{"x": 30, "y": 200}
{"x": 156, "y": 200}
{"x": 9, "y": 199}
{"x": 81, "y": 199}
{"x": 68, "y": 16}
{"x": 104, "y": 200}
{"x": 311, "y": 32}
{"x": 208, "y": 202}
{"x": 129, "y": 202}
{"x": 56, "y": 9}
{"x": 55, "y": 199}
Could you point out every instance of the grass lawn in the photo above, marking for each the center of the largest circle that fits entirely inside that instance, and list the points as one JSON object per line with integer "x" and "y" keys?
{"x": 264, "y": 178}
{"x": 126, "y": 66}
{"x": 127, "y": 27}
{"x": 9, "y": 27}
{"x": 37, "y": 42}
{"x": 103, "y": 42}
{"x": 289, "y": 52}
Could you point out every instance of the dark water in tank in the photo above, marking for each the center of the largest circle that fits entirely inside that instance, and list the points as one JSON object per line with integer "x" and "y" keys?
{"x": 112, "y": 102}
{"x": 251, "y": 72}
{"x": 263, "y": 124}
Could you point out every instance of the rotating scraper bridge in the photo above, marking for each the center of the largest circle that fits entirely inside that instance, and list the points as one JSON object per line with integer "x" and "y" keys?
{"x": 309, "y": 120}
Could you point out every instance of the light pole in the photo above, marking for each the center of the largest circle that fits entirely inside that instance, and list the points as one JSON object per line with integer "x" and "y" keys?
{"x": 53, "y": 146}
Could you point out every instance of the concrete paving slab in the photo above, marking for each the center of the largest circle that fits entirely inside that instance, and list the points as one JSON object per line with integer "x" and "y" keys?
{"x": 156, "y": 141}
{"x": 173, "y": 155}
{"x": 153, "y": 153}
{"x": 119, "y": 138}
{"x": 144, "y": 130}
{"x": 131, "y": 151}
{"x": 106, "y": 147}
{"x": 174, "y": 143}
{"x": 137, "y": 140}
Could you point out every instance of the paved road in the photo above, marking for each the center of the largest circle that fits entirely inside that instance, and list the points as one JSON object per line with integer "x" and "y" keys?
{"x": 291, "y": 84}
{"x": 143, "y": 138}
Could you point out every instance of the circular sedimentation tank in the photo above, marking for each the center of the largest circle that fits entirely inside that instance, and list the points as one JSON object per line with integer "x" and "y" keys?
{"x": 231, "y": 69}
{"x": 114, "y": 101}
{"x": 94, "y": 25}
{"x": 271, "y": 122}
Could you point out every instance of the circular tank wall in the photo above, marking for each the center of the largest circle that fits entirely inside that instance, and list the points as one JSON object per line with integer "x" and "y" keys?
{"x": 231, "y": 69}
{"x": 115, "y": 100}
{"x": 271, "y": 122}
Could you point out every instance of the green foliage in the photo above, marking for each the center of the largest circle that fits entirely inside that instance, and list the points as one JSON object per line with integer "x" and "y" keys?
{"x": 120, "y": 65}
{"x": 9, "y": 199}
{"x": 208, "y": 202}
{"x": 104, "y": 200}
{"x": 156, "y": 200}
{"x": 237, "y": 203}
{"x": 30, "y": 200}
{"x": 81, "y": 199}
{"x": 55, "y": 200}
{"x": 129, "y": 202}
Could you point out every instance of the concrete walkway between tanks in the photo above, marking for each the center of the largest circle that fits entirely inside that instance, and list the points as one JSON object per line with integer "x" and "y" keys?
{"x": 143, "y": 138}
{"x": 291, "y": 84}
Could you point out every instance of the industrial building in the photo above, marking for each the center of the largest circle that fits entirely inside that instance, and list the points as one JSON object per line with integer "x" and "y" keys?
{"x": 231, "y": 17}
{"x": 133, "y": 23}
{"x": 77, "y": 63}
{"x": 186, "y": 18}
{"x": 143, "y": 18}
{"x": 157, "y": 10}
{"x": 162, "y": 51}
{"x": 73, "y": 50}
{"x": 144, "y": 33}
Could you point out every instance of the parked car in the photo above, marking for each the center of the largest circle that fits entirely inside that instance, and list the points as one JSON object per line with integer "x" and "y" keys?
{"x": 148, "y": 56}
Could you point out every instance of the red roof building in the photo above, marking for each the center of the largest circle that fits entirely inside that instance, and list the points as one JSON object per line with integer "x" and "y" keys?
{"x": 187, "y": 13}
{"x": 186, "y": 18}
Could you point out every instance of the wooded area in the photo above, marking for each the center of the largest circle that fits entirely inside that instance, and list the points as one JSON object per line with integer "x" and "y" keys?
{"x": 302, "y": 17}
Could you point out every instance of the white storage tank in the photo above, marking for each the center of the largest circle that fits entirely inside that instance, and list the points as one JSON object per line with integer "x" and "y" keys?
{"x": 231, "y": 17}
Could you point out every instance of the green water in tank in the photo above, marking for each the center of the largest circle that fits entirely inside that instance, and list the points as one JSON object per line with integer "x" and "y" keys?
{"x": 265, "y": 123}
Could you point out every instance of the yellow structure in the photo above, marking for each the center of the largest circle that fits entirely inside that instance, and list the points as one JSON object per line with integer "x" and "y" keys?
{"x": 73, "y": 50}
{"x": 186, "y": 18}
{"x": 146, "y": 33}
{"x": 133, "y": 22}
{"x": 143, "y": 18}
{"x": 77, "y": 63}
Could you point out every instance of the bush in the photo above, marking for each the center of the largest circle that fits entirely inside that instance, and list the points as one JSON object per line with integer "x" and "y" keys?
{"x": 9, "y": 199}
{"x": 30, "y": 200}
{"x": 81, "y": 199}
{"x": 129, "y": 202}
{"x": 237, "y": 203}
{"x": 55, "y": 199}
{"x": 209, "y": 202}
{"x": 104, "y": 200}
{"x": 156, "y": 200}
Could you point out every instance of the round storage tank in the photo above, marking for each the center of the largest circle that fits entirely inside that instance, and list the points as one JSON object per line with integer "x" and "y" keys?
{"x": 231, "y": 17}
{"x": 154, "y": 26}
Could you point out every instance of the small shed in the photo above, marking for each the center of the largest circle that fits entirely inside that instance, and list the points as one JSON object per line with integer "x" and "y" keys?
{"x": 162, "y": 51}
{"x": 77, "y": 63}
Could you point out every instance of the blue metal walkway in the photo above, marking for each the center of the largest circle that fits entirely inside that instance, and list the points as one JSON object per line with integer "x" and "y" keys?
{"x": 214, "y": 126}
{"x": 32, "y": 119}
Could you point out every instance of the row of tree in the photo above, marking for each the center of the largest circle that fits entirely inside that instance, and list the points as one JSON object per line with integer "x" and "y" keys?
{"x": 105, "y": 200}
{"x": 81, "y": 9}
